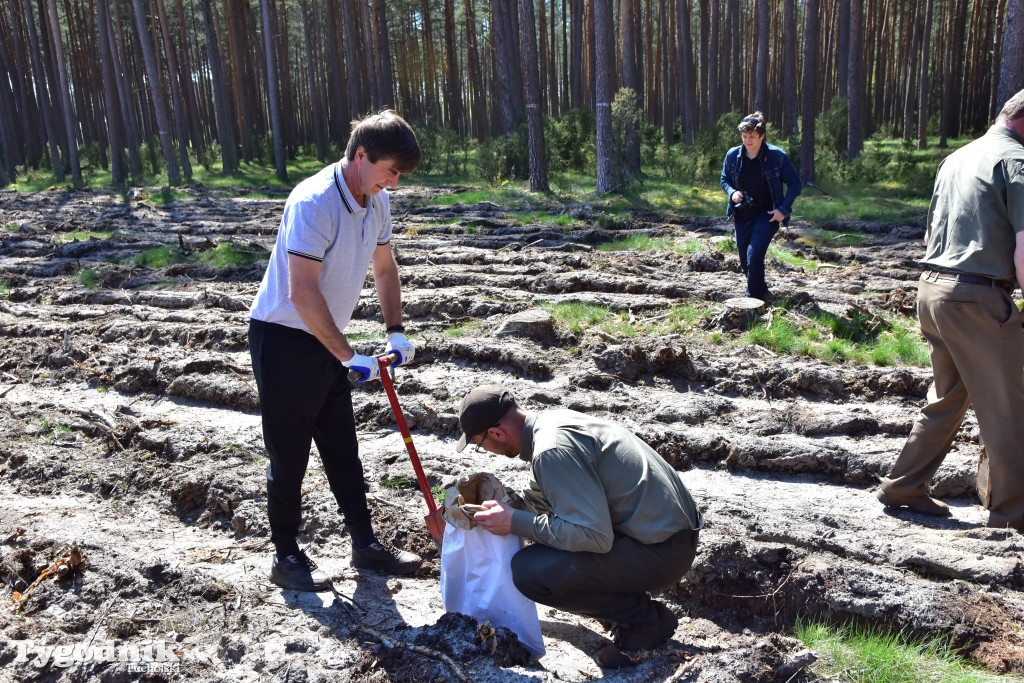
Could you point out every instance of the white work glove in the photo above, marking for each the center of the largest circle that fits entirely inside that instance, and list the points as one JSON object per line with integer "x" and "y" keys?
{"x": 398, "y": 344}
{"x": 365, "y": 366}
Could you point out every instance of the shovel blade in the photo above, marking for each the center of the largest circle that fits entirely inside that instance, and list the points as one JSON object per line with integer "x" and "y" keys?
{"x": 435, "y": 525}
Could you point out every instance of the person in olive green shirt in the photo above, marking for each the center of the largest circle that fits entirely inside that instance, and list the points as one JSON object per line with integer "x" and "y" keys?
{"x": 973, "y": 262}
{"x": 608, "y": 517}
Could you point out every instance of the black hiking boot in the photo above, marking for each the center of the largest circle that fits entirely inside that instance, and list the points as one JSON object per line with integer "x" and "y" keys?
{"x": 385, "y": 557}
{"x": 297, "y": 572}
{"x": 647, "y": 636}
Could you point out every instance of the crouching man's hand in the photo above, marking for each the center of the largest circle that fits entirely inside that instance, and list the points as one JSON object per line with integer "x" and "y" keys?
{"x": 496, "y": 517}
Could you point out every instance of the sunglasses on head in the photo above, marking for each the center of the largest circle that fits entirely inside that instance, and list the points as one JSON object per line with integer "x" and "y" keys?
{"x": 752, "y": 119}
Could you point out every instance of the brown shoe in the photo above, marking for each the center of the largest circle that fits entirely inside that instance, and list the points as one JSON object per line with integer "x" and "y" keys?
{"x": 923, "y": 503}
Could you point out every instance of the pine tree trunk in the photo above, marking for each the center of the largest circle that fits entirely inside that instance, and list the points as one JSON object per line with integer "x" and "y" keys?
{"x": 604, "y": 48}
{"x": 384, "y": 45}
{"x": 531, "y": 82}
{"x": 630, "y": 79}
{"x": 855, "y": 87}
{"x": 156, "y": 91}
{"x": 476, "y": 81}
{"x": 789, "y": 71}
{"x": 761, "y": 69}
{"x": 1011, "y": 70}
{"x": 115, "y": 123}
{"x": 280, "y": 163}
{"x": 809, "y": 91}
{"x": 453, "y": 79}
{"x": 923, "y": 83}
{"x": 686, "y": 71}
{"x": 43, "y": 98}
{"x": 222, "y": 104}
{"x": 170, "y": 54}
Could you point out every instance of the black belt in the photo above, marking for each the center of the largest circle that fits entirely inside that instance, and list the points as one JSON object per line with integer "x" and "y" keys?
{"x": 970, "y": 279}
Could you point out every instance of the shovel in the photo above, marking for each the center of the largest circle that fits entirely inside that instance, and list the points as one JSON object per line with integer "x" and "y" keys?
{"x": 434, "y": 518}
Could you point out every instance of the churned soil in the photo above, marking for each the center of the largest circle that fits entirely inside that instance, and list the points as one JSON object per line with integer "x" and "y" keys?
{"x": 133, "y": 513}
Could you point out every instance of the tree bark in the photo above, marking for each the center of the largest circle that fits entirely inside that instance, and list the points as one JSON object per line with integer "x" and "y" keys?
{"x": 280, "y": 162}
{"x": 504, "y": 18}
{"x": 115, "y": 124}
{"x": 222, "y": 104}
{"x": 43, "y": 97}
{"x": 387, "y": 88}
{"x": 476, "y": 81}
{"x": 531, "y": 83}
{"x": 604, "y": 46}
{"x": 1011, "y": 70}
{"x": 808, "y": 93}
{"x": 687, "y": 102}
{"x": 763, "y": 57}
{"x": 630, "y": 79}
{"x": 789, "y": 77}
{"x": 453, "y": 79}
{"x": 170, "y": 54}
{"x": 855, "y": 87}
{"x": 156, "y": 91}
{"x": 923, "y": 82}
{"x": 68, "y": 112}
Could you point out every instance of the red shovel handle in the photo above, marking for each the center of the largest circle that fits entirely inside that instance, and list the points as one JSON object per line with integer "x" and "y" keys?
{"x": 389, "y": 387}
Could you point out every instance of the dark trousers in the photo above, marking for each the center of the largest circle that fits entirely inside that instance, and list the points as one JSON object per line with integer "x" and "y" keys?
{"x": 610, "y": 585}
{"x": 305, "y": 396}
{"x": 752, "y": 240}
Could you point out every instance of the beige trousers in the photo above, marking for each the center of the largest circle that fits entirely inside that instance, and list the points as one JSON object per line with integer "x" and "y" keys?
{"x": 977, "y": 354}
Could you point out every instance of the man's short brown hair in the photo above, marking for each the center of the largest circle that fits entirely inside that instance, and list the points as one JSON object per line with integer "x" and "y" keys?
{"x": 385, "y": 135}
{"x": 754, "y": 123}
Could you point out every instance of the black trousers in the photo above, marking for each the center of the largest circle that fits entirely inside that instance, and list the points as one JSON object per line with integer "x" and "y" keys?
{"x": 610, "y": 585}
{"x": 305, "y": 397}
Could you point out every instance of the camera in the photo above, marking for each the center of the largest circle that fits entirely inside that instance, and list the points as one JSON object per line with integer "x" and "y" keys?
{"x": 743, "y": 203}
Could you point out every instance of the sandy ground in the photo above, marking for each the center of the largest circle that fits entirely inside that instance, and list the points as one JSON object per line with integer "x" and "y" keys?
{"x": 130, "y": 450}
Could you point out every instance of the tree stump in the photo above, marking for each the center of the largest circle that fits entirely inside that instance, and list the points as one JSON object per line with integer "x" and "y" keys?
{"x": 739, "y": 313}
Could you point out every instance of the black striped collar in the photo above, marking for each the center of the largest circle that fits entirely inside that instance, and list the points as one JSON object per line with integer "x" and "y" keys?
{"x": 338, "y": 180}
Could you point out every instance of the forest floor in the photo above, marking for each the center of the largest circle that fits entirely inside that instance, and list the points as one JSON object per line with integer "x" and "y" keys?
{"x": 132, "y": 462}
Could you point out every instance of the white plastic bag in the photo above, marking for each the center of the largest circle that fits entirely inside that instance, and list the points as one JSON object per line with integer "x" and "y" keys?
{"x": 476, "y": 580}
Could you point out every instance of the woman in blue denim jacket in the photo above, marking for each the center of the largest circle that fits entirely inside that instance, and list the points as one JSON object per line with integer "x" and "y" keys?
{"x": 752, "y": 176}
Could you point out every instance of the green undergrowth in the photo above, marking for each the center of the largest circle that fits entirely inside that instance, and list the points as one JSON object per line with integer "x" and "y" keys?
{"x": 881, "y": 339}
{"x": 223, "y": 255}
{"x": 872, "y": 655}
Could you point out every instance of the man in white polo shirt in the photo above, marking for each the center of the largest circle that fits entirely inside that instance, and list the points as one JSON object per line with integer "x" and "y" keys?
{"x": 336, "y": 225}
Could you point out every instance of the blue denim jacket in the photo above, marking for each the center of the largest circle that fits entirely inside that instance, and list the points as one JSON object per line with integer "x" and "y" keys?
{"x": 778, "y": 169}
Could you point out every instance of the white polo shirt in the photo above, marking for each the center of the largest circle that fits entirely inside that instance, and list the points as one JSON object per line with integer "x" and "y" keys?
{"x": 323, "y": 222}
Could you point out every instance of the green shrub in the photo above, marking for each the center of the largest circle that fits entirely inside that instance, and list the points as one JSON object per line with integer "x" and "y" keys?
{"x": 570, "y": 141}
{"x": 505, "y": 158}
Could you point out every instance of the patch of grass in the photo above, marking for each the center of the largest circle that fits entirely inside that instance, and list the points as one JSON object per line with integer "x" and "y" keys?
{"x": 561, "y": 220}
{"x": 576, "y": 315}
{"x": 83, "y": 236}
{"x": 832, "y": 238}
{"x": 884, "y": 342}
{"x": 398, "y": 483}
{"x": 437, "y": 491}
{"x": 11, "y": 227}
{"x": 87, "y": 278}
{"x": 5, "y": 290}
{"x": 230, "y": 254}
{"x": 872, "y": 655}
{"x": 464, "y": 329}
{"x": 159, "y": 257}
{"x": 728, "y": 245}
{"x": 792, "y": 259}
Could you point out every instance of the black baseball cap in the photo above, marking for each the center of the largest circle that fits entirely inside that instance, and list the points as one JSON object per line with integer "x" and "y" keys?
{"x": 481, "y": 409}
